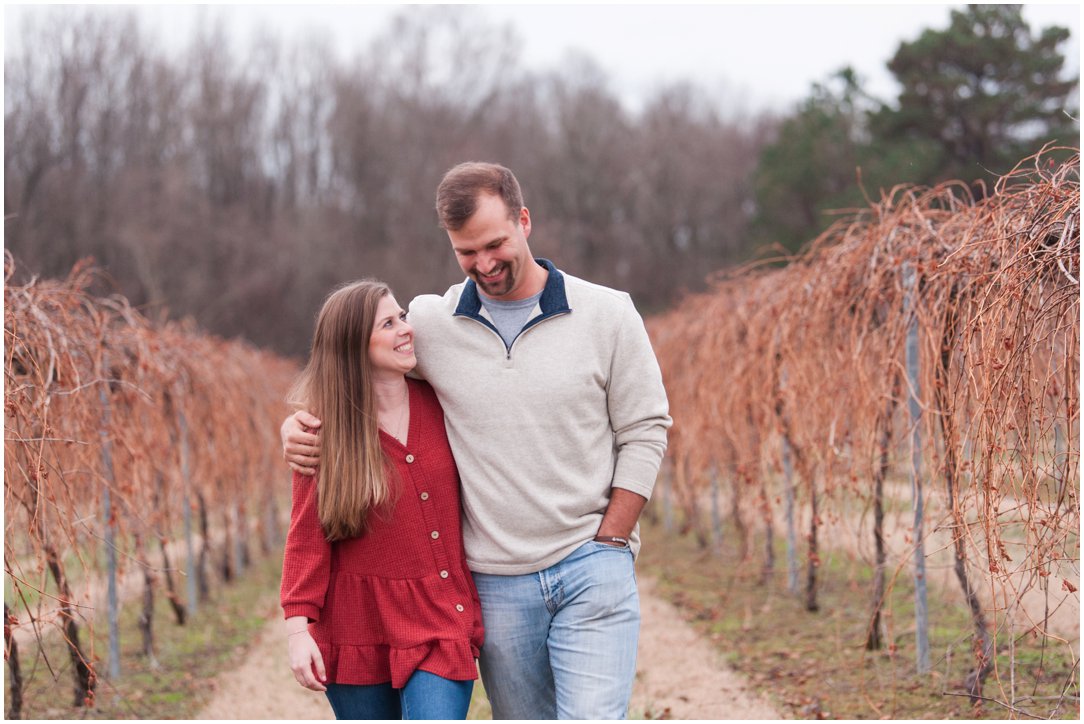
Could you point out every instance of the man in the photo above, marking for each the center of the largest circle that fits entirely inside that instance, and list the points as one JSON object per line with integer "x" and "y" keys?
{"x": 557, "y": 416}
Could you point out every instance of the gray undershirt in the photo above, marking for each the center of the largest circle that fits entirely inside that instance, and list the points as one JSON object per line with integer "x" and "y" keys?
{"x": 509, "y": 317}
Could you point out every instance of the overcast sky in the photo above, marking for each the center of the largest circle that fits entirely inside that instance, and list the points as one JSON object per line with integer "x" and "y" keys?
{"x": 762, "y": 56}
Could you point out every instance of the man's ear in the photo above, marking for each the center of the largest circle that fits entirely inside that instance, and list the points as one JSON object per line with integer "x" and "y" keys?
{"x": 525, "y": 221}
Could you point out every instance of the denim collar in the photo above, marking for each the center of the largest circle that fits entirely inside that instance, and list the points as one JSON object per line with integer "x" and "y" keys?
{"x": 553, "y": 300}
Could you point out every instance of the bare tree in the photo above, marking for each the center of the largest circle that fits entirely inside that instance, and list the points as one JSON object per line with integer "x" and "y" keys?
{"x": 237, "y": 185}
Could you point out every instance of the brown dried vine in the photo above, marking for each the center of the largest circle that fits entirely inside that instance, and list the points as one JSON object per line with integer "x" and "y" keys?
{"x": 813, "y": 353}
{"x": 95, "y": 397}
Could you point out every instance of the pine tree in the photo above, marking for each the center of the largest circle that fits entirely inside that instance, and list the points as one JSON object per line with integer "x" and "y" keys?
{"x": 985, "y": 90}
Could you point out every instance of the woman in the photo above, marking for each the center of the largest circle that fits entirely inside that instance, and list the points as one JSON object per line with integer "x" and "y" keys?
{"x": 381, "y": 611}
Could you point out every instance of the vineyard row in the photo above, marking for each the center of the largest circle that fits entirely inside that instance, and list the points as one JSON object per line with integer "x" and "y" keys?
{"x": 131, "y": 448}
{"x": 931, "y": 338}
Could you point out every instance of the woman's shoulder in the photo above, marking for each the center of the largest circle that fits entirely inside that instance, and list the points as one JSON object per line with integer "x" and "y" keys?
{"x": 425, "y": 393}
{"x": 421, "y": 386}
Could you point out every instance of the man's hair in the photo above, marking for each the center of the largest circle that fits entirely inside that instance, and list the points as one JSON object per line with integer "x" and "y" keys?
{"x": 457, "y": 195}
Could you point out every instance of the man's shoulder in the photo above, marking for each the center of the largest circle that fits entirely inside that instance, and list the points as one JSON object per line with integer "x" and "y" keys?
{"x": 583, "y": 291}
{"x": 426, "y": 305}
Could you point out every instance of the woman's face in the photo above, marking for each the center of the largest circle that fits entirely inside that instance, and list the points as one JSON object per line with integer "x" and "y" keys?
{"x": 391, "y": 346}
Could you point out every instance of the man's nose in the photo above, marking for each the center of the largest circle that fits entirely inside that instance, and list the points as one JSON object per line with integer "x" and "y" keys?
{"x": 486, "y": 262}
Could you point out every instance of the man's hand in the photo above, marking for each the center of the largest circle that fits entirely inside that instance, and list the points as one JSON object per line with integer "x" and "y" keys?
{"x": 300, "y": 447}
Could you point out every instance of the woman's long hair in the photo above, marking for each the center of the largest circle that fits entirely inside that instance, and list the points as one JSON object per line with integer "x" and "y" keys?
{"x": 337, "y": 386}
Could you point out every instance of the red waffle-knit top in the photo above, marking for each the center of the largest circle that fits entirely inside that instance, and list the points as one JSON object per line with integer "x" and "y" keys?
{"x": 400, "y": 597}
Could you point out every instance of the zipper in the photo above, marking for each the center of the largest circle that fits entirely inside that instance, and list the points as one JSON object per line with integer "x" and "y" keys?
{"x": 530, "y": 325}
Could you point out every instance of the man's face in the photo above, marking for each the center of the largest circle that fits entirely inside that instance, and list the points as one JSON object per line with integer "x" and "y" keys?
{"x": 492, "y": 249}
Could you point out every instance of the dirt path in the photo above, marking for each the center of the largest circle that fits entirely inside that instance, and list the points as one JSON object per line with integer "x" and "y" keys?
{"x": 262, "y": 686}
{"x": 678, "y": 675}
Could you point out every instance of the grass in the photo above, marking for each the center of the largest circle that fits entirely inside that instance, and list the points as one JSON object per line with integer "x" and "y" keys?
{"x": 188, "y": 657}
{"x": 21, "y": 597}
{"x": 815, "y": 665}
{"x": 810, "y": 664}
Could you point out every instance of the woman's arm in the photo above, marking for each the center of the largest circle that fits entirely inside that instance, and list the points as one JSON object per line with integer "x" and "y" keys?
{"x": 306, "y": 563}
{"x": 305, "y": 659}
{"x": 306, "y": 570}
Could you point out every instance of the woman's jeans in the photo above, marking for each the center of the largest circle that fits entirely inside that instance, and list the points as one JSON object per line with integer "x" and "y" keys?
{"x": 561, "y": 643}
{"x": 425, "y": 696}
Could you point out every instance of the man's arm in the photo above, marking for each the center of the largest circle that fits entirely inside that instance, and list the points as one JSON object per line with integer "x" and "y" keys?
{"x": 300, "y": 447}
{"x": 622, "y": 513}
{"x": 638, "y": 411}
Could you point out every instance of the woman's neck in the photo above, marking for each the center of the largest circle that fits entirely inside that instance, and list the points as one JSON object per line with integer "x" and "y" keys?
{"x": 389, "y": 392}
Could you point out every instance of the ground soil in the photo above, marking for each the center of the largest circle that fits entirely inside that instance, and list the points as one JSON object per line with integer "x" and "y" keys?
{"x": 679, "y": 675}
{"x": 1046, "y": 605}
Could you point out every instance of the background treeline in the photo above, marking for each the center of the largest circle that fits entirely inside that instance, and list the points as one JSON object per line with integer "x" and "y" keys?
{"x": 237, "y": 186}
{"x": 975, "y": 98}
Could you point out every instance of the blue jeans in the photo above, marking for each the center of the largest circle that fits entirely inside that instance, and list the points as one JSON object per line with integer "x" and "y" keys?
{"x": 425, "y": 696}
{"x": 561, "y": 643}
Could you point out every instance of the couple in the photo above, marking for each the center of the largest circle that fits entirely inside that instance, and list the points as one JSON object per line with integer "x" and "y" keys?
{"x": 557, "y": 418}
